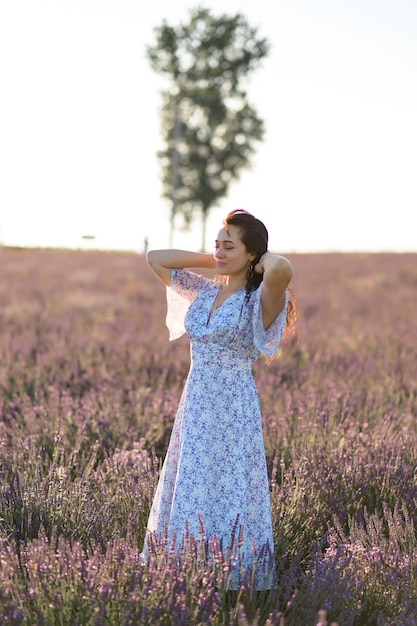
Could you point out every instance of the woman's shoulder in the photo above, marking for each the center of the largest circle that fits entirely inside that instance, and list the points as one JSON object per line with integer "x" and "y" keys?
{"x": 188, "y": 280}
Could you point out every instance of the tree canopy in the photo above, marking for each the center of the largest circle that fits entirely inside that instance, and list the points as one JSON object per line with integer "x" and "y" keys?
{"x": 209, "y": 128}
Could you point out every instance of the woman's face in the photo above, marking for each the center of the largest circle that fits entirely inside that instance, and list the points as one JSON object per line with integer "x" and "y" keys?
{"x": 230, "y": 253}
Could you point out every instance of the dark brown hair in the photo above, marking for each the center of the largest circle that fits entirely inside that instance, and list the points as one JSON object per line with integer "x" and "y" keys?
{"x": 254, "y": 236}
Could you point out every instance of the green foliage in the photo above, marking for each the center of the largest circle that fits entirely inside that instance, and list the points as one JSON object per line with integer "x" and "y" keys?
{"x": 208, "y": 126}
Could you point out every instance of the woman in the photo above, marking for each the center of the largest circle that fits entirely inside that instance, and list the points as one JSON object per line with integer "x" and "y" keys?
{"x": 214, "y": 482}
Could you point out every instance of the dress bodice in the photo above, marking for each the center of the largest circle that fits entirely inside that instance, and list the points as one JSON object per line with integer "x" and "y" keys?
{"x": 235, "y": 327}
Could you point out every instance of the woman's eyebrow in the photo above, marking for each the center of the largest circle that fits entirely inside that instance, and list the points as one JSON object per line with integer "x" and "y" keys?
{"x": 224, "y": 241}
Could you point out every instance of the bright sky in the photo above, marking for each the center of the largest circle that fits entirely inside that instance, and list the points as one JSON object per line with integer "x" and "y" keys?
{"x": 79, "y": 126}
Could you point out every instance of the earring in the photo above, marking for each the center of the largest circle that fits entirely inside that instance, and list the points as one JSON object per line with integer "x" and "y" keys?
{"x": 249, "y": 274}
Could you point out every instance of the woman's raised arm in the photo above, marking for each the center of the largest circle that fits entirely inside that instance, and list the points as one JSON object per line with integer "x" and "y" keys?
{"x": 277, "y": 273}
{"x": 163, "y": 261}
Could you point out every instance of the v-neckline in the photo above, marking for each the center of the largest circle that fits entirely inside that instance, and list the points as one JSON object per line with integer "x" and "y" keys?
{"x": 213, "y": 311}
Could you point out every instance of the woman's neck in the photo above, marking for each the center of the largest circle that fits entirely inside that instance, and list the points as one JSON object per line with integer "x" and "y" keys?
{"x": 234, "y": 283}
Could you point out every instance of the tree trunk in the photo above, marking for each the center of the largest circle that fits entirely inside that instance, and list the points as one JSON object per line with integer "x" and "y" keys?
{"x": 171, "y": 229}
{"x": 174, "y": 173}
{"x": 203, "y": 230}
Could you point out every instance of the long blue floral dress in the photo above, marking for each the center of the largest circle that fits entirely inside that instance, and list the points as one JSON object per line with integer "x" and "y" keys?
{"x": 214, "y": 475}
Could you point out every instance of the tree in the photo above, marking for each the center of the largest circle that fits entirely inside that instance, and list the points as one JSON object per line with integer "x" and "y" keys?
{"x": 208, "y": 126}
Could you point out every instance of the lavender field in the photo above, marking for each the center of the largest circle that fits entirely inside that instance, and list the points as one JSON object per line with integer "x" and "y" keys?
{"x": 89, "y": 385}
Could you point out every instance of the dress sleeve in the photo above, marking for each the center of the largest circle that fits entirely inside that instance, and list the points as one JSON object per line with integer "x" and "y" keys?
{"x": 181, "y": 292}
{"x": 267, "y": 341}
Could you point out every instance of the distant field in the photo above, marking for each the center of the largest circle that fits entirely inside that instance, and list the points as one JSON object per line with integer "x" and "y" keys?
{"x": 89, "y": 385}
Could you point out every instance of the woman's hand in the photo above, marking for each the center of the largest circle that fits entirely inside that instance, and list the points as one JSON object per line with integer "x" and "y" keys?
{"x": 259, "y": 267}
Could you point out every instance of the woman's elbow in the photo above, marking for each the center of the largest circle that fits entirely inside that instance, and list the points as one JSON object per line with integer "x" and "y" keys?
{"x": 151, "y": 257}
{"x": 287, "y": 269}
{"x": 283, "y": 270}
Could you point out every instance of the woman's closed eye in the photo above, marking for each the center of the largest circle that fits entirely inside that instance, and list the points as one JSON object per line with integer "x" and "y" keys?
{"x": 228, "y": 247}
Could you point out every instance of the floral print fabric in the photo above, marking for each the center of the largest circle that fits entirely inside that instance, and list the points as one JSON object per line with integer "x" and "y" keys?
{"x": 215, "y": 468}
